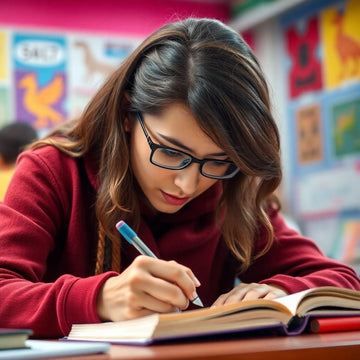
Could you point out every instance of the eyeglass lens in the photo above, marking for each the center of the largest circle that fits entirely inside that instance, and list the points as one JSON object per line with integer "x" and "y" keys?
{"x": 173, "y": 159}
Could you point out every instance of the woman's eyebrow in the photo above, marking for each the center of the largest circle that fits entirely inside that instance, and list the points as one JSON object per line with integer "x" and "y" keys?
{"x": 184, "y": 147}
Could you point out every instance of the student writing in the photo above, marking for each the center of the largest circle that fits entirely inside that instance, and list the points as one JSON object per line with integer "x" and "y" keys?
{"x": 179, "y": 143}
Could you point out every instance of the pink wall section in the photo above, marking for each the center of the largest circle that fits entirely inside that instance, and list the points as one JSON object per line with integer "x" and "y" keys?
{"x": 132, "y": 17}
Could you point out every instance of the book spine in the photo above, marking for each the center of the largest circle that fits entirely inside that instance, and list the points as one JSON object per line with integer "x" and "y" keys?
{"x": 297, "y": 325}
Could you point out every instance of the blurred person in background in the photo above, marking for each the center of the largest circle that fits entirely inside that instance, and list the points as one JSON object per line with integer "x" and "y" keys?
{"x": 13, "y": 140}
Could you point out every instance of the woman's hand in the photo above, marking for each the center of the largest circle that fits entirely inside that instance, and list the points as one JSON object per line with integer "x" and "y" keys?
{"x": 250, "y": 291}
{"x": 147, "y": 286}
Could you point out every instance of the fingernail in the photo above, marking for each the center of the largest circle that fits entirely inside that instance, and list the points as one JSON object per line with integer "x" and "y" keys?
{"x": 196, "y": 281}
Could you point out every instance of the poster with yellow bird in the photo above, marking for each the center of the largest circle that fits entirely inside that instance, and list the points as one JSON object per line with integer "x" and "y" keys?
{"x": 40, "y": 79}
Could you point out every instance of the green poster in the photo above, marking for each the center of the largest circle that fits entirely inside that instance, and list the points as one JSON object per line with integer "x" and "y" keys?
{"x": 346, "y": 128}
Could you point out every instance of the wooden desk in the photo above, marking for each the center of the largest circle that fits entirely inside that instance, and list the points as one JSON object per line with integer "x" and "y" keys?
{"x": 331, "y": 346}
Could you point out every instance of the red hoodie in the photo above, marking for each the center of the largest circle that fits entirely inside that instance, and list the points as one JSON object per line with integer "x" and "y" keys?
{"x": 48, "y": 241}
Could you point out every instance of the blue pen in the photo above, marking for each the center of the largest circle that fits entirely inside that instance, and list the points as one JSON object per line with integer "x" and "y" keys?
{"x": 130, "y": 235}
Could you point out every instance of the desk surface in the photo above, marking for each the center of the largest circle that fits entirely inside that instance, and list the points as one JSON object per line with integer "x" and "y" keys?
{"x": 331, "y": 346}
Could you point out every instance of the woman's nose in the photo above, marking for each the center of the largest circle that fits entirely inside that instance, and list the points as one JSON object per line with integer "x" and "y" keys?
{"x": 188, "y": 179}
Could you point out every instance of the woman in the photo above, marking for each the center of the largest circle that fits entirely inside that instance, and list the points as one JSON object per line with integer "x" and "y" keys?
{"x": 180, "y": 143}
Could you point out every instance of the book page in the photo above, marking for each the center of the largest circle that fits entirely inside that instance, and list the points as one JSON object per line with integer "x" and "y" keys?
{"x": 223, "y": 310}
{"x": 326, "y": 296}
{"x": 292, "y": 301}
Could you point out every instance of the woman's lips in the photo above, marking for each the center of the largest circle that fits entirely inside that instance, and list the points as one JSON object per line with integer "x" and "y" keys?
{"x": 174, "y": 200}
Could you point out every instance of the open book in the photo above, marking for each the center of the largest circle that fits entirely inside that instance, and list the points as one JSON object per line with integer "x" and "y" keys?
{"x": 286, "y": 315}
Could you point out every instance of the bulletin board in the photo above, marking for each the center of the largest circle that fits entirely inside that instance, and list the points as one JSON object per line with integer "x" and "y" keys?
{"x": 46, "y": 78}
{"x": 322, "y": 53}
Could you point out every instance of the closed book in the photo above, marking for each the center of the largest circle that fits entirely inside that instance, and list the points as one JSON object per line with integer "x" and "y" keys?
{"x": 46, "y": 349}
{"x": 13, "y": 338}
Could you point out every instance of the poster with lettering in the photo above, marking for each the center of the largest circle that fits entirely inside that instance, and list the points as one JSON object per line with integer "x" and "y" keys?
{"x": 40, "y": 80}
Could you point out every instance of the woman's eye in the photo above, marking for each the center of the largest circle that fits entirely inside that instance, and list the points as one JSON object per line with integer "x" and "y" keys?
{"x": 219, "y": 164}
{"x": 171, "y": 153}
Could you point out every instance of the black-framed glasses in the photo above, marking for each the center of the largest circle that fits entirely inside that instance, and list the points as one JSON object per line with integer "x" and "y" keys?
{"x": 173, "y": 159}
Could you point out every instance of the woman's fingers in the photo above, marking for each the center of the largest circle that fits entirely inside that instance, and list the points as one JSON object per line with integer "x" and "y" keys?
{"x": 147, "y": 283}
{"x": 147, "y": 286}
{"x": 251, "y": 291}
{"x": 174, "y": 277}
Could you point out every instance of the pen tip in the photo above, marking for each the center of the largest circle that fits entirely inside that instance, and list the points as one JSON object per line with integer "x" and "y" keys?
{"x": 197, "y": 302}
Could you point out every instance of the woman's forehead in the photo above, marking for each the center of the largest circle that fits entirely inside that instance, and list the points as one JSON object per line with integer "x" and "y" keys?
{"x": 177, "y": 125}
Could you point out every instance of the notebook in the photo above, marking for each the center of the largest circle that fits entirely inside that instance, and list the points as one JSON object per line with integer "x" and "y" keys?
{"x": 40, "y": 349}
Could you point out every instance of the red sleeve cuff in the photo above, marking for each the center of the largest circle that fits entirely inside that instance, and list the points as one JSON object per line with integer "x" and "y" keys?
{"x": 80, "y": 303}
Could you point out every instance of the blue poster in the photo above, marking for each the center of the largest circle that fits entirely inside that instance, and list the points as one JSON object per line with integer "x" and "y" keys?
{"x": 39, "y": 78}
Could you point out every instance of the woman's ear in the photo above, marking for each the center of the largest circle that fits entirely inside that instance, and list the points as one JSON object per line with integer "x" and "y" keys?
{"x": 126, "y": 96}
{"x": 127, "y": 123}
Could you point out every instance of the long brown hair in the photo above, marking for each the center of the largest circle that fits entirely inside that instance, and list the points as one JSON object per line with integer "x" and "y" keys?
{"x": 207, "y": 66}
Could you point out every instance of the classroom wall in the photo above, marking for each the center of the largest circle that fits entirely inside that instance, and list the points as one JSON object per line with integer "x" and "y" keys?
{"x": 311, "y": 57}
{"x": 45, "y": 42}
{"x": 65, "y": 49}
{"x": 128, "y": 17}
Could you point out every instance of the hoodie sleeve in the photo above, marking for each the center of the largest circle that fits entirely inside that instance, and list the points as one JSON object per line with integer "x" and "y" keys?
{"x": 46, "y": 283}
{"x": 295, "y": 263}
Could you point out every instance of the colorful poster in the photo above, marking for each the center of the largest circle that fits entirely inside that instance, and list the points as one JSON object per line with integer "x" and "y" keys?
{"x": 92, "y": 60}
{"x": 347, "y": 245}
{"x": 309, "y": 135}
{"x": 302, "y": 45}
{"x": 337, "y": 236}
{"x": 346, "y": 128}
{"x": 341, "y": 43}
{"x": 4, "y": 66}
{"x": 40, "y": 79}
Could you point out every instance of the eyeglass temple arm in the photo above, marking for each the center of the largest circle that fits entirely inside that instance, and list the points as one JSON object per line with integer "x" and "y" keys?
{"x": 144, "y": 129}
